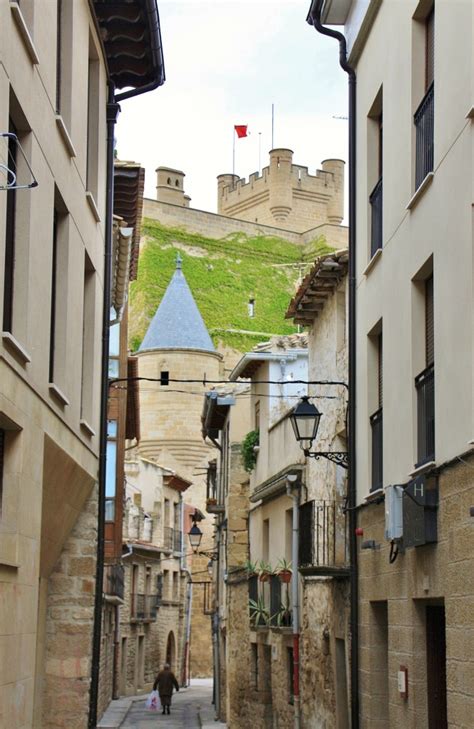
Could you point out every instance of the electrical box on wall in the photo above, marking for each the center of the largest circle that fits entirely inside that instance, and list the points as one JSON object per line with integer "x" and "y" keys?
{"x": 394, "y": 512}
{"x": 420, "y": 510}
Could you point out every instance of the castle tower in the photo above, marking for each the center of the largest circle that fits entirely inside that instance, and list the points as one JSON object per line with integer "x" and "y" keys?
{"x": 177, "y": 346}
{"x": 285, "y": 195}
{"x": 170, "y": 187}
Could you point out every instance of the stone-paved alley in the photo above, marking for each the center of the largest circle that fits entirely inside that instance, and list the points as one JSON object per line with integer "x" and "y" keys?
{"x": 191, "y": 709}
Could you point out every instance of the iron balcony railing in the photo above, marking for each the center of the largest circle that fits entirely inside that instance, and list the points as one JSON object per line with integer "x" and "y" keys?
{"x": 114, "y": 580}
{"x": 424, "y": 123}
{"x": 172, "y": 539}
{"x": 323, "y": 542}
{"x": 144, "y": 607}
{"x": 376, "y": 200}
{"x": 425, "y": 388}
{"x": 376, "y": 425}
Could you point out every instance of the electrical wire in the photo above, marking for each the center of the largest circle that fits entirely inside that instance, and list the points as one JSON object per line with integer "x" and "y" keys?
{"x": 204, "y": 381}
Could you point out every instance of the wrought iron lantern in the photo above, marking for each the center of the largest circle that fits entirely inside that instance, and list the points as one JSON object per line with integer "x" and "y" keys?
{"x": 305, "y": 421}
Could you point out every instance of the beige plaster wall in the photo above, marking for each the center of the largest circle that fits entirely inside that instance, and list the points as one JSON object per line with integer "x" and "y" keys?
{"x": 47, "y": 537}
{"x": 438, "y": 226}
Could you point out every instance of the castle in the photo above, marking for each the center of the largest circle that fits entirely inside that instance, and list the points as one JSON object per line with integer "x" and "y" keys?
{"x": 284, "y": 200}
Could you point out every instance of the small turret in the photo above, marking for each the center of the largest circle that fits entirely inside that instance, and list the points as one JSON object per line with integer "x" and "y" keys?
{"x": 336, "y": 203}
{"x": 170, "y": 187}
{"x": 224, "y": 181}
{"x": 280, "y": 183}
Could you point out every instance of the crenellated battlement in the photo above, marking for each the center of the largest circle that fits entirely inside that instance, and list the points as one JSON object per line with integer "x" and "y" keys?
{"x": 285, "y": 194}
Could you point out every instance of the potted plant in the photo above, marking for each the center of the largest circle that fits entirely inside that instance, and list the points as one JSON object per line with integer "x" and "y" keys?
{"x": 249, "y": 449}
{"x": 251, "y": 568}
{"x": 264, "y": 571}
{"x": 283, "y": 618}
{"x": 284, "y": 570}
{"x": 259, "y": 614}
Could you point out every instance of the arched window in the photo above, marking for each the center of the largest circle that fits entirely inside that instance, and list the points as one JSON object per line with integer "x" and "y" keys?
{"x": 168, "y": 181}
{"x": 177, "y": 183}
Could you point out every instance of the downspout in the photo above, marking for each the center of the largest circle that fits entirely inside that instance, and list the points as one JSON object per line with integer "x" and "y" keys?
{"x": 116, "y": 655}
{"x": 112, "y": 114}
{"x": 293, "y": 490}
{"x": 215, "y": 630}
{"x": 189, "y": 602}
{"x": 314, "y": 18}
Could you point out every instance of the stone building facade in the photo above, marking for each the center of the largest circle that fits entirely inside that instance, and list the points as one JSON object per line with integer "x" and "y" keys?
{"x": 414, "y": 399}
{"x": 176, "y": 352}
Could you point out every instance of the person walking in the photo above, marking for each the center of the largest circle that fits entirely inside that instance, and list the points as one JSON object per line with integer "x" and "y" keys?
{"x": 164, "y": 683}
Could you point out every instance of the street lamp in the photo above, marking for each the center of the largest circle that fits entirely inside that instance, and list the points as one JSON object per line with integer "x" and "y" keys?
{"x": 305, "y": 419}
{"x": 195, "y": 536}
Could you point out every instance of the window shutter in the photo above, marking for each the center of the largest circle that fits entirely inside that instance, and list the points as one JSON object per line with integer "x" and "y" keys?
{"x": 430, "y": 49}
{"x": 429, "y": 321}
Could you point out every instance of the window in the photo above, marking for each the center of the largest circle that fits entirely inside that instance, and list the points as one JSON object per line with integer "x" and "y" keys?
{"x": 111, "y": 470}
{"x": 64, "y": 46}
{"x": 254, "y": 666}
{"x": 257, "y": 415}
{"x": 59, "y": 293}
{"x": 93, "y": 101}
{"x": 164, "y": 378}
{"x": 375, "y": 172}
{"x": 9, "y": 279}
{"x": 424, "y": 115}
{"x": 114, "y": 349}
{"x": 88, "y": 337}
{"x": 425, "y": 385}
{"x": 17, "y": 230}
{"x": 290, "y": 666}
{"x": 376, "y": 420}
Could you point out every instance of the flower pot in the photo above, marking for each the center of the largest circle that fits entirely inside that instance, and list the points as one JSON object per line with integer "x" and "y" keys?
{"x": 264, "y": 576}
{"x": 285, "y": 576}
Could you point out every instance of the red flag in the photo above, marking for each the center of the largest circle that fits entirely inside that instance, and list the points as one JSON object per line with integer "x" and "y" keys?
{"x": 241, "y": 130}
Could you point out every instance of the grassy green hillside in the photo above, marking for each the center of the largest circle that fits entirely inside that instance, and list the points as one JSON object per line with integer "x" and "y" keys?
{"x": 222, "y": 274}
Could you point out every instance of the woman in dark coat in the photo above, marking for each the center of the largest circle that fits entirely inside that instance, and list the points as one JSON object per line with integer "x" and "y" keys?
{"x": 164, "y": 683}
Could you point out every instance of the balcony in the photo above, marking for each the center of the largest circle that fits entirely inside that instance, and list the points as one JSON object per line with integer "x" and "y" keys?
{"x": 323, "y": 540}
{"x": 144, "y": 607}
{"x": 424, "y": 123}
{"x": 376, "y": 425}
{"x": 425, "y": 388}
{"x": 114, "y": 580}
{"x": 269, "y": 603}
{"x": 213, "y": 505}
{"x": 376, "y": 203}
{"x": 172, "y": 539}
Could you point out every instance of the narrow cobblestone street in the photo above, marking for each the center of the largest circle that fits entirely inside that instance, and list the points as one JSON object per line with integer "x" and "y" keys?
{"x": 191, "y": 709}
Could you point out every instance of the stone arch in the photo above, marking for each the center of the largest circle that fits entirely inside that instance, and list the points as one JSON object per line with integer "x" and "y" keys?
{"x": 171, "y": 650}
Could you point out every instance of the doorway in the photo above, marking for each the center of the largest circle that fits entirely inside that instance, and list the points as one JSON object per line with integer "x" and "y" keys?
{"x": 436, "y": 666}
{"x": 170, "y": 650}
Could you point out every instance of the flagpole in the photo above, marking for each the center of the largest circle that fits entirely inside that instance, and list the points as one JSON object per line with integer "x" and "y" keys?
{"x": 259, "y": 152}
{"x": 233, "y": 156}
{"x": 273, "y": 124}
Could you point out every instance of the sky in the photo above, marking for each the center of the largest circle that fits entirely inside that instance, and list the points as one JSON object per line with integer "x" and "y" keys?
{"x": 226, "y": 63}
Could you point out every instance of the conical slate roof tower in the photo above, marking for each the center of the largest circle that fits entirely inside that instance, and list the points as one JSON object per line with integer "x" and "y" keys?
{"x": 178, "y": 323}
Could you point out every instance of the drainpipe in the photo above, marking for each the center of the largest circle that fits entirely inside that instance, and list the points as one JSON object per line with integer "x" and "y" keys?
{"x": 189, "y": 601}
{"x": 293, "y": 490}
{"x": 215, "y": 629}
{"x": 112, "y": 114}
{"x": 116, "y": 658}
{"x": 314, "y": 18}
